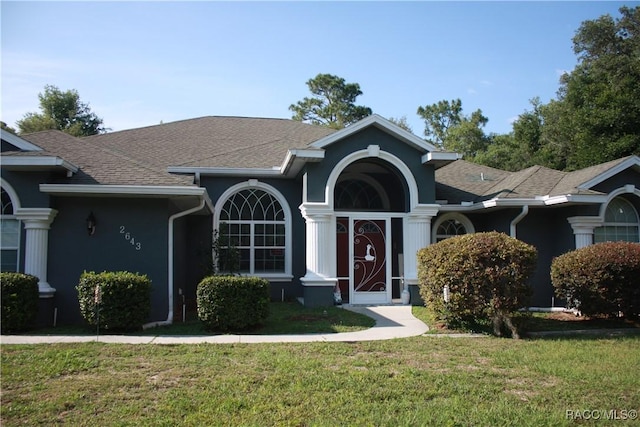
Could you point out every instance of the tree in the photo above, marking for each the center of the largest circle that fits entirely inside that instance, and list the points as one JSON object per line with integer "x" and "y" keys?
{"x": 447, "y": 127}
{"x": 439, "y": 118}
{"x": 598, "y": 107}
{"x": 401, "y": 123}
{"x": 63, "y": 111}
{"x": 332, "y": 104}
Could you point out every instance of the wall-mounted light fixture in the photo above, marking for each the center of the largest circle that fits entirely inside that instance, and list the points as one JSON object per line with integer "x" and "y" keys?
{"x": 91, "y": 224}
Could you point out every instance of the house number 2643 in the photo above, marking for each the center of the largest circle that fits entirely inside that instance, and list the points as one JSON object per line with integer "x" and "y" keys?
{"x": 129, "y": 238}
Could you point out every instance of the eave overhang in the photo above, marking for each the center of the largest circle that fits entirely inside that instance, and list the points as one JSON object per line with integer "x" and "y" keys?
{"x": 149, "y": 191}
{"x": 440, "y": 158}
{"x": 519, "y": 202}
{"x": 38, "y": 163}
{"x": 18, "y": 142}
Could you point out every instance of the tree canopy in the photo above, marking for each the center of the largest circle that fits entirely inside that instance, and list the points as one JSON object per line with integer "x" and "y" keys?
{"x": 447, "y": 127}
{"x": 332, "y": 103}
{"x": 63, "y": 111}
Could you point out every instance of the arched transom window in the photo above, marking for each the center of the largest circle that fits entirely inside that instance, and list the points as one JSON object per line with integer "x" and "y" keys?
{"x": 9, "y": 235}
{"x": 451, "y": 224}
{"x": 620, "y": 223}
{"x": 253, "y": 227}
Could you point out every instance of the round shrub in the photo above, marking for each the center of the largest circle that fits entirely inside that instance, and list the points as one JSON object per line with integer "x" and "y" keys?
{"x": 232, "y": 303}
{"x": 19, "y": 301}
{"x": 486, "y": 276}
{"x": 601, "y": 279}
{"x": 123, "y": 300}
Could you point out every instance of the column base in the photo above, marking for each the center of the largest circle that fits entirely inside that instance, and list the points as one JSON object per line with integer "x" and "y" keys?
{"x": 318, "y": 291}
{"x": 45, "y": 290}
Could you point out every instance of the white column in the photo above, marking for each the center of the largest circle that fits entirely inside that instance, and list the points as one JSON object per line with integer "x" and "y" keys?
{"x": 583, "y": 227}
{"x": 320, "y": 245}
{"x": 37, "y": 222}
{"x": 417, "y": 235}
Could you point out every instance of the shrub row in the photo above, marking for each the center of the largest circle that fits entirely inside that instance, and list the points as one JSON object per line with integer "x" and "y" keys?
{"x": 601, "y": 279}
{"x": 19, "y": 294}
{"x": 232, "y": 303}
{"x": 485, "y": 275}
{"x": 117, "y": 300}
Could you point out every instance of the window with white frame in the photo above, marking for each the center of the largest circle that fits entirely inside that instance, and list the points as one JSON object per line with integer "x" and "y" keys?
{"x": 9, "y": 235}
{"x": 252, "y": 227}
{"x": 620, "y": 223}
{"x": 451, "y": 224}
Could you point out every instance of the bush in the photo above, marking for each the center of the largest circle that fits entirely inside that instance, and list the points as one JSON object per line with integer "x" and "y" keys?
{"x": 486, "y": 275}
{"x": 19, "y": 301}
{"x": 125, "y": 299}
{"x": 601, "y": 279}
{"x": 232, "y": 303}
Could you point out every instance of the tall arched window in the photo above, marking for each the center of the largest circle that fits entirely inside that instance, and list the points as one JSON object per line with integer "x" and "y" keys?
{"x": 449, "y": 225}
{"x": 253, "y": 228}
{"x": 620, "y": 223}
{"x": 9, "y": 235}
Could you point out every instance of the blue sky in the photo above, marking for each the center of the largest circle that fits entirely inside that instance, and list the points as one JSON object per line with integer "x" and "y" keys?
{"x": 140, "y": 63}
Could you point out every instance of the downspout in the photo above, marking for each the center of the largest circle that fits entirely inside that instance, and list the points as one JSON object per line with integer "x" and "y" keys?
{"x": 172, "y": 218}
{"x": 516, "y": 220}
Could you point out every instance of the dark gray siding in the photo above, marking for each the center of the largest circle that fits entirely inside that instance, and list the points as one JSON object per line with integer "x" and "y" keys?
{"x": 72, "y": 250}
{"x": 27, "y": 185}
{"x": 318, "y": 173}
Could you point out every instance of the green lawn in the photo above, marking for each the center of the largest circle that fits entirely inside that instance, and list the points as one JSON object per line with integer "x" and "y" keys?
{"x": 426, "y": 380}
{"x": 285, "y": 318}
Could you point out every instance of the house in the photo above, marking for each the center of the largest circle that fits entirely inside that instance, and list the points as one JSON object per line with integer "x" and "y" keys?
{"x": 309, "y": 208}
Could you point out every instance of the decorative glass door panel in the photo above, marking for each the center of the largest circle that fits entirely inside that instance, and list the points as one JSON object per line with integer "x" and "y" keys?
{"x": 370, "y": 267}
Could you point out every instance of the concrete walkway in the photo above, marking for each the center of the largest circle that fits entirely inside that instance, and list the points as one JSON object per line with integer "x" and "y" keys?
{"x": 392, "y": 321}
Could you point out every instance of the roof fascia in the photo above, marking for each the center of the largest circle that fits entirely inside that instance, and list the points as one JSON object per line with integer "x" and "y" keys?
{"x": 252, "y": 172}
{"x": 630, "y": 162}
{"x": 440, "y": 158}
{"x": 537, "y": 201}
{"x": 381, "y": 123}
{"x": 297, "y": 158}
{"x": 38, "y": 162}
{"x": 18, "y": 142}
{"x": 157, "y": 191}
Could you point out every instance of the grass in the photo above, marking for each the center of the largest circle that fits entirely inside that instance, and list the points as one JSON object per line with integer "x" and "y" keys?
{"x": 418, "y": 381}
{"x": 538, "y": 322}
{"x": 285, "y": 318}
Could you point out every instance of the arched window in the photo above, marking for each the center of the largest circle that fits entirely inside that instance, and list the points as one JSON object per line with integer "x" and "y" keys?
{"x": 9, "y": 234}
{"x": 253, "y": 227}
{"x": 620, "y": 223}
{"x": 449, "y": 225}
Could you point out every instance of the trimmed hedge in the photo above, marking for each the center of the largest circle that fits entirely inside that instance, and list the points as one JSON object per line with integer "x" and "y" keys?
{"x": 232, "y": 303}
{"x": 601, "y": 279}
{"x": 486, "y": 275}
{"x": 125, "y": 299}
{"x": 19, "y": 301}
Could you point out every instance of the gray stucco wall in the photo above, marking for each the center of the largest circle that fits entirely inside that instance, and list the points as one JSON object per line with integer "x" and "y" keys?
{"x": 318, "y": 173}
{"x": 72, "y": 250}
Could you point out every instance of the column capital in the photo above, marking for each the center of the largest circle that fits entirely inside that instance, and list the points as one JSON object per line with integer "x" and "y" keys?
{"x": 36, "y": 217}
{"x": 423, "y": 211}
{"x": 316, "y": 211}
{"x": 584, "y": 224}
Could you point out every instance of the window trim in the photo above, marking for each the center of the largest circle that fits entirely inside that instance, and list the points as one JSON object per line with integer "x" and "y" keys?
{"x": 604, "y": 223}
{"x": 15, "y": 204}
{"x": 455, "y": 216}
{"x": 254, "y": 184}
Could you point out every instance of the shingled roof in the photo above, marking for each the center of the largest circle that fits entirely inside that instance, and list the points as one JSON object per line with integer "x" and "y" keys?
{"x": 462, "y": 181}
{"x": 214, "y": 142}
{"x": 142, "y": 156}
{"x": 97, "y": 163}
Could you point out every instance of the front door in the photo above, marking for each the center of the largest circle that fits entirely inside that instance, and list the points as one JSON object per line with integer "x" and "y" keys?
{"x": 363, "y": 253}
